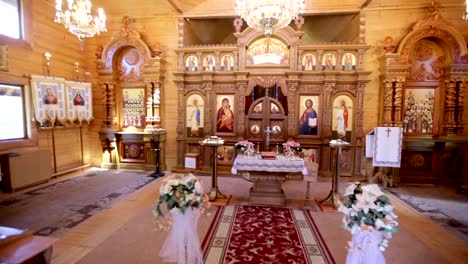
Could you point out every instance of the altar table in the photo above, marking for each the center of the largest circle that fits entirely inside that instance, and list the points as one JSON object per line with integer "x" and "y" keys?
{"x": 267, "y": 176}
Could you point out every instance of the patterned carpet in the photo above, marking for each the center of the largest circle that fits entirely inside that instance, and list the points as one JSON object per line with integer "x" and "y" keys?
{"x": 441, "y": 204}
{"x": 55, "y": 209}
{"x": 261, "y": 234}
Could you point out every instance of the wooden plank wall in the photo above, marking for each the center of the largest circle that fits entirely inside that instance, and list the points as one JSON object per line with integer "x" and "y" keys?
{"x": 26, "y": 58}
{"x": 157, "y": 23}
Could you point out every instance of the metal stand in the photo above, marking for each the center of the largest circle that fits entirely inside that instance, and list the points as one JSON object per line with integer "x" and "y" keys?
{"x": 157, "y": 136}
{"x": 157, "y": 172}
{"x": 333, "y": 198}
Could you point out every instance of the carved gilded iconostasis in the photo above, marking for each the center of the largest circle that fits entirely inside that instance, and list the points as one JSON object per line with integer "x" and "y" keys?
{"x": 129, "y": 75}
{"x": 424, "y": 86}
{"x": 303, "y": 92}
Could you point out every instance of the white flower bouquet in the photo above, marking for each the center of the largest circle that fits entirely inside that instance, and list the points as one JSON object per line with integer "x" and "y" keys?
{"x": 244, "y": 144}
{"x": 366, "y": 208}
{"x": 292, "y": 145}
{"x": 179, "y": 193}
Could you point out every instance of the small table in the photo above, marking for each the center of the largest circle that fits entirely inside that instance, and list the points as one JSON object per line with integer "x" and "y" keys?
{"x": 30, "y": 249}
{"x": 267, "y": 176}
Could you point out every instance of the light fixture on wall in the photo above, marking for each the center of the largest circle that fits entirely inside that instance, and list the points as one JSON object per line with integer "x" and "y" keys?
{"x": 269, "y": 15}
{"x": 78, "y": 20}
{"x": 47, "y": 57}
{"x": 465, "y": 17}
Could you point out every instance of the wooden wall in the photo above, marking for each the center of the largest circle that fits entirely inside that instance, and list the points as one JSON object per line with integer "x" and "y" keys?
{"x": 25, "y": 58}
{"x": 157, "y": 22}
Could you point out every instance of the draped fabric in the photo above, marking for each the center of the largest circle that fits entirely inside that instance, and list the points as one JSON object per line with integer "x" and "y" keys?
{"x": 56, "y": 99}
{"x": 79, "y": 101}
{"x": 182, "y": 244}
{"x": 49, "y": 98}
{"x": 364, "y": 248}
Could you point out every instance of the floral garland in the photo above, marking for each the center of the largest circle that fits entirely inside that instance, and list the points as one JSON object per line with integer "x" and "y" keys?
{"x": 368, "y": 209}
{"x": 292, "y": 145}
{"x": 179, "y": 193}
{"x": 244, "y": 144}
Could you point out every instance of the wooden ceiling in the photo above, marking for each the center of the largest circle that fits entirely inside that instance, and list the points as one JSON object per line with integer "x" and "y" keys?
{"x": 212, "y": 8}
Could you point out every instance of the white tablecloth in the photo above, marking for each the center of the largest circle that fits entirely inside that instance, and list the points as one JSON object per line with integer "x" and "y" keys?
{"x": 280, "y": 164}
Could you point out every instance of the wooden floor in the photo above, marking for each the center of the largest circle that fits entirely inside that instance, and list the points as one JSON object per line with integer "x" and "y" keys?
{"x": 91, "y": 233}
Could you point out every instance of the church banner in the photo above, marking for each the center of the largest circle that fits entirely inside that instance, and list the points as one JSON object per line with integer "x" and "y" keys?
{"x": 79, "y": 101}
{"x": 49, "y": 98}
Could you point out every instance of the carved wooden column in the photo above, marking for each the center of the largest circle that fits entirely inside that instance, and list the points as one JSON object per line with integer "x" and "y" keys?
{"x": 242, "y": 54}
{"x": 360, "y": 60}
{"x": 361, "y": 87}
{"x": 109, "y": 103}
{"x": 328, "y": 112}
{"x": 292, "y": 122}
{"x": 339, "y": 61}
{"x": 461, "y": 106}
{"x": 326, "y": 163}
{"x": 217, "y": 61}
{"x": 180, "y": 126}
{"x": 388, "y": 103}
{"x": 207, "y": 88}
{"x": 360, "y": 135}
{"x": 398, "y": 102}
{"x": 240, "y": 87}
{"x": 299, "y": 60}
{"x": 200, "y": 61}
{"x": 181, "y": 62}
{"x": 450, "y": 104}
{"x": 319, "y": 60}
{"x": 236, "y": 60}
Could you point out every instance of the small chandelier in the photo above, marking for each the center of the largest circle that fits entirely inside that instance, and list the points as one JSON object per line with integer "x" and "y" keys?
{"x": 269, "y": 15}
{"x": 78, "y": 20}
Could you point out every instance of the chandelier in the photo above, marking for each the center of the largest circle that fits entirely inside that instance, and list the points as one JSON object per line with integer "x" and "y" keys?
{"x": 269, "y": 15}
{"x": 78, "y": 20}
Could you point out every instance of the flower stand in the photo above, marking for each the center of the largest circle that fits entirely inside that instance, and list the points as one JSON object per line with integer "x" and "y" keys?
{"x": 364, "y": 248}
{"x": 182, "y": 244}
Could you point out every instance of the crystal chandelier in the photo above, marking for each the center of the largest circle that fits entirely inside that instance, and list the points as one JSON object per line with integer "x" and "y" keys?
{"x": 78, "y": 20}
{"x": 269, "y": 15}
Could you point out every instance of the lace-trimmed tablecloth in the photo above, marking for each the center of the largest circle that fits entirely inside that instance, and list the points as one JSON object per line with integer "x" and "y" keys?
{"x": 280, "y": 164}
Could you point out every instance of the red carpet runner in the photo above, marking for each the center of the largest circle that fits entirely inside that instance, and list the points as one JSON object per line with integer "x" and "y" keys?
{"x": 260, "y": 234}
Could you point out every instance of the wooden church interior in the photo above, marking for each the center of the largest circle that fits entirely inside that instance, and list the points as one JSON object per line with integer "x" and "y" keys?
{"x": 389, "y": 63}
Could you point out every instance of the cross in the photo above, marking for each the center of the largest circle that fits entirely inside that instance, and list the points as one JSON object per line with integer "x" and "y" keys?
{"x": 388, "y": 132}
{"x": 268, "y": 131}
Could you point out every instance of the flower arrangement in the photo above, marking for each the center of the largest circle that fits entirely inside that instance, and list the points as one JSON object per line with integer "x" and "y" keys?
{"x": 244, "y": 144}
{"x": 179, "y": 193}
{"x": 292, "y": 145}
{"x": 368, "y": 209}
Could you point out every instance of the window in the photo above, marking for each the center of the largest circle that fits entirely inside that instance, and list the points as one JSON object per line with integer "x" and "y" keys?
{"x": 10, "y": 18}
{"x": 12, "y": 112}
